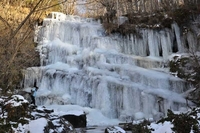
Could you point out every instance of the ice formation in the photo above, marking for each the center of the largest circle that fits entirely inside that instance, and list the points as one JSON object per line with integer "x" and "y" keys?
{"x": 119, "y": 75}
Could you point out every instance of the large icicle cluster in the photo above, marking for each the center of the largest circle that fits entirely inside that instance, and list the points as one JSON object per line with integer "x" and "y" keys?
{"x": 117, "y": 75}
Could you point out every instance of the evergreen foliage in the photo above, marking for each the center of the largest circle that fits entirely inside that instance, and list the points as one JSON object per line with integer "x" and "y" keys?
{"x": 184, "y": 122}
{"x": 13, "y": 114}
{"x": 141, "y": 127}
{"x": 188, "y": 68}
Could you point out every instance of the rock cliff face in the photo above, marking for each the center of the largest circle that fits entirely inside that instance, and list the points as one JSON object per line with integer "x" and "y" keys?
{"x": 120, "y": 75}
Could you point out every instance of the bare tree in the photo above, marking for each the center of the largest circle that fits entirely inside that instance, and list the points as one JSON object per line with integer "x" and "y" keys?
{"x": 68, "y": 7}
{"x": 138, "y": 6}
{"x": 17, "y": 49}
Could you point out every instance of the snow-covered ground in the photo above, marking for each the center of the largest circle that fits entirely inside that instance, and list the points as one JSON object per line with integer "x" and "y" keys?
{"x": 96, "y": 121}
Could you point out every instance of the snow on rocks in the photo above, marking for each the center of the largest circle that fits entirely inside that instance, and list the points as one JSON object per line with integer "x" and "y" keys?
{"x": 114, "y": 129}
{"x": 16, "y": 100}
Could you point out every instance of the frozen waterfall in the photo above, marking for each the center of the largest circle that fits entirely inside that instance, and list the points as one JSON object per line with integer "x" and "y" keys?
{"x": 119, "y": 75}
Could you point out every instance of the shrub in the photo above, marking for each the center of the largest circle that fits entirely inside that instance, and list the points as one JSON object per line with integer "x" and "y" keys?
{"x": 188, "y": 68}
{"x": 184, "y": 122}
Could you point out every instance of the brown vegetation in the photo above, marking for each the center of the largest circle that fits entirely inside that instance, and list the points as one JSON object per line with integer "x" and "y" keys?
{"x": 145, "y": 13}
{"x": 17, "y": 49}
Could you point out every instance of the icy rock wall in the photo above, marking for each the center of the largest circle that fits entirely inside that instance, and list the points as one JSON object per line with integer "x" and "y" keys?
{"x": 116, "y": 74}
{"x": 147, "y": 42}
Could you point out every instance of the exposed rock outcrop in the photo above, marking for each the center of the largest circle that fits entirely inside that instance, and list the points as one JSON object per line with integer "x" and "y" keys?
{"x": 76, "y": 121}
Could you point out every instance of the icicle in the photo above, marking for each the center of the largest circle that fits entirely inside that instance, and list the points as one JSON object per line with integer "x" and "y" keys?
{"x": 111, "y": 73}
{"x": 178, "y": 37}
{"x": 153, "y": 43}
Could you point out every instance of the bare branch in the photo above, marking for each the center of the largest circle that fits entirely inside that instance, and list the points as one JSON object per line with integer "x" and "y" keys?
{"x": 4, "y": 21}
{"x": 51, "y": 6}
{"x": 24, "y": 21}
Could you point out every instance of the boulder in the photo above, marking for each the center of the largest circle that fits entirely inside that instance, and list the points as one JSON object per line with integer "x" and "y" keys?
{"x": 79, "y": 121}
{"x": 114, "y": 129}
{"x": 26, "y": 95}
{"x": 59, "y": 125}
{"x": 48, "y": 111}
{"x": 16, "y": 107}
